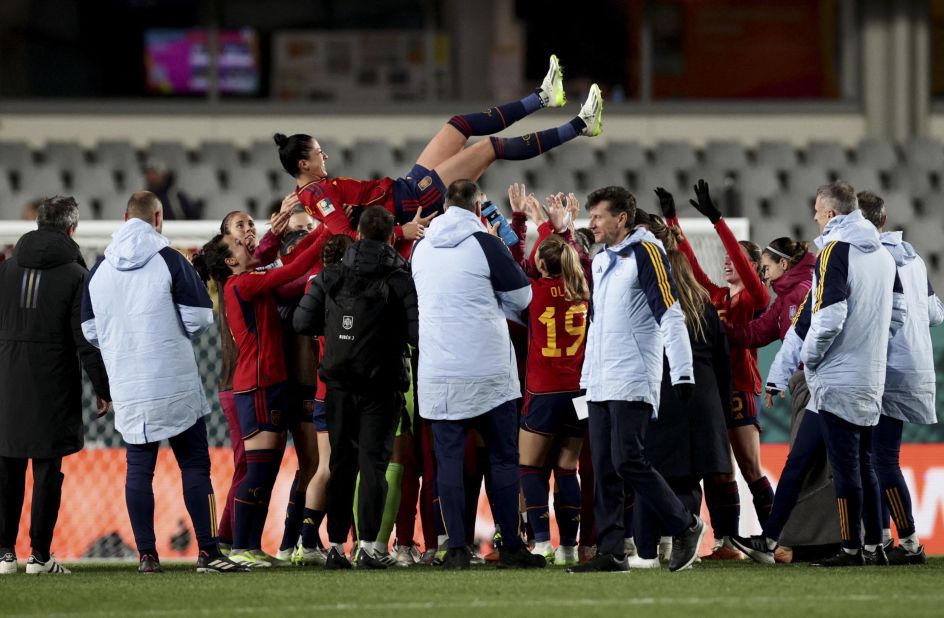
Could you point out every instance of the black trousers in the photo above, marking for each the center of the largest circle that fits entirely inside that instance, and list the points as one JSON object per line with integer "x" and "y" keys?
{"x": 617, "y": 449}
{"x": 47, "y": 493}
{"x": 361, "y": 428}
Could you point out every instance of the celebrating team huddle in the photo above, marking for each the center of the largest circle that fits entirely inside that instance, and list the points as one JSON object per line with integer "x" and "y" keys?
{"x": 413, "y": 344}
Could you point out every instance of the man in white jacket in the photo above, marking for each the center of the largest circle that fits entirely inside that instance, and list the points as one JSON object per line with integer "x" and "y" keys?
{"x": 856, "y": 306}
{"x": 142, "y": 305}
{"x": 635, "y": 317}
{"x": 467, "y": 283}
{"x": 910, "y": 383}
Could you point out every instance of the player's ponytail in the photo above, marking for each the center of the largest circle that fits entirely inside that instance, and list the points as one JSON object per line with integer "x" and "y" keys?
{"x": 210, "y": 262}
{"x": 785, "y": 248}
{"x": 292, "y": 150}
{"x": 561, "y": 260}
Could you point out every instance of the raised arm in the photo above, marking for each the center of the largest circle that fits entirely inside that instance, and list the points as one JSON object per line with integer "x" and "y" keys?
{"x": 667, "y": 204}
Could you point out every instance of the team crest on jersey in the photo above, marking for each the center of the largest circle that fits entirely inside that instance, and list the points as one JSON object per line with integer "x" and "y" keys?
{"x": 793, "y": 312}
{"x": 425, "y": 182}
{"x": 347, "y": 322}
{"x": 276, "y": 417}
{"x": 326, "y": 207}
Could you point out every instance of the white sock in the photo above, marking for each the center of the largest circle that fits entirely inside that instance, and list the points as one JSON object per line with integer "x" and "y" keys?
{"x": 443, "y": 541}
{"x": 910, "y": 542}
{"x": 542, "y": 547}
{"x": 339, "y": 547}
{"x": 380, "y": 547}
{"x": 367, "y": 547}
{"x": 871, "y": 547}
{"x": 771, "y": 544}
{"x": 851, "y": 552}
{"x": 886, "y": 535}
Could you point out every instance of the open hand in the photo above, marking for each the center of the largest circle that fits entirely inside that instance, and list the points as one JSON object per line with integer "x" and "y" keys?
{"x": 415, "y": 229}
{"x": 704, "y": 205}
{"x": 666, "y": 203}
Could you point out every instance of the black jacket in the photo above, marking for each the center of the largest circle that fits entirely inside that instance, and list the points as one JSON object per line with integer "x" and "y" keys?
{"x": 41, "y": 342}
{"x": 690, "y": 438}
{"x": 367, "y": 260}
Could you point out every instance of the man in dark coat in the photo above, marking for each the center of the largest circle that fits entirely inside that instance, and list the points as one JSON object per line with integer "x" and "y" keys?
{"x": 41, "y": 343}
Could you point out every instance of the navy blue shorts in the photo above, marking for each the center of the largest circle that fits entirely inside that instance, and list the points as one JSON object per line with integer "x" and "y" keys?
{"x": 319, "y": 416}
{"x": 301, "y": 401}
{"x": 552, "y": 415}
{"x": 264, "y": 409}
{"x": 744, "y": 410}
{"x": 419, "y": 189}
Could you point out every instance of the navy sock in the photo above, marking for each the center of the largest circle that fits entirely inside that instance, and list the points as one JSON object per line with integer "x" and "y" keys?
{"x": 497, "y": 118}
{"x": 534, "y": 144}
{"x": 534, "y": 486}
{"x": 252, "y": 499}
{"x": 293, "y": 515}
{"x": 724, "y": 506}
{"x": 567, "y": 505}
{"x": 311, "y": 528}
{"x": 763, "y": 497}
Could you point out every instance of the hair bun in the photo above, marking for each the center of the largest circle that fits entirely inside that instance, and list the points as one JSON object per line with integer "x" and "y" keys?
{"x": 280, "y": 139}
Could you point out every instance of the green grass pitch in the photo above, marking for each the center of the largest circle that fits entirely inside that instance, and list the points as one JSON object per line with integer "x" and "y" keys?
{"x": 707, "y": 590}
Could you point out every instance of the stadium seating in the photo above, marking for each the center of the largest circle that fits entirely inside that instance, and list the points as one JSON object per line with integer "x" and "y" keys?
{"x": 772, "y": 182}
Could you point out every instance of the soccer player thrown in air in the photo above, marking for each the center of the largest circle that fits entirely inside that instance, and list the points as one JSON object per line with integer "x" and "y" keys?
{"x": 417, "y": 197}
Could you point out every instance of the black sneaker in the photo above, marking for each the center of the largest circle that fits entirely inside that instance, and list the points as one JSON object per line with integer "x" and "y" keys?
{"x": 603, "y": 563}
{"x": 756, "y": 548}
{"x": 900, "y": 555}
{"x": 149, "y": 564}
{"x": 216, "y": 562}
{"x": 875, "y": 558}
{"x": 367, "y": 561}
{"x": 841, "y": 559}
{"x": 457, "y": 559}
{"x": 336, "y": 560}
{"x": 685, "y": 546}
{"x": 520, "y": 558}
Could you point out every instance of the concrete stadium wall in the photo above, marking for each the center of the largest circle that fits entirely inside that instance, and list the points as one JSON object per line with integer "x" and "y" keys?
{"x": 797, "y": 128}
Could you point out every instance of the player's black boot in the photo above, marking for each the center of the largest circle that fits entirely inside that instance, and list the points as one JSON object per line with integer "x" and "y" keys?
{"x": 841, "y": 559}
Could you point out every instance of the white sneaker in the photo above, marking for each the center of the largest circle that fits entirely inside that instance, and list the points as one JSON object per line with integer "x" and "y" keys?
{"x": 388, "y": 560}
{"x": 629, "y": 546}
{"x": 309, "y": 557}
{"x": 552, "y": 88}
{"x": 566, "y": 556}
{"x": 8, "y": 564}
{"x": 246, "y": 558}
{"x": 35, "y": 567}
{"x": 636, "y": 562}
{"x": 592, "y": 112}
{"x": 544, "y": 548}
{"x": 406, "y": 555}
{"x": 285, "y": 555}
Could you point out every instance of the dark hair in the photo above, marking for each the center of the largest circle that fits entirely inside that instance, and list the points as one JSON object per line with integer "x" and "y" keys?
{"x": 224, "y": 224}
{"x": 618, "y": 200}
{"x": 840, "y": 195}
{"x": 642, "y": 218}
{"x": 334, "y": 248}
{"x": 784, "y": 245}
{"x": 58, "y": 213}
{"x": 210, "y": 262}
{"x": 292, "y": 150}
{"x": 376, "y": 224}
{"x": 291, "y": 239}
{"x": 463, "y": 193}
{"x": 753, "y": 254}
{"x": 585, "y": 237}
{"x": 873, "y": 208}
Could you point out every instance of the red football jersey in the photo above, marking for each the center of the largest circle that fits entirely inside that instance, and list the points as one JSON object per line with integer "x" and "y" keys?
{"x": 253, "y": 317}
{"x": 557, "y": 331}
{"x": 325, "y": 200}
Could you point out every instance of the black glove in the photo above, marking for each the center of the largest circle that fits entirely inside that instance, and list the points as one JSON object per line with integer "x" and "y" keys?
{"x": 684, "y": 390}
{"x": 666, "y": 202}
{"x": 704, "y": 204}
